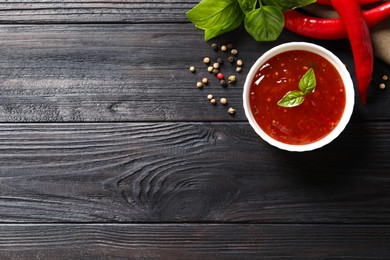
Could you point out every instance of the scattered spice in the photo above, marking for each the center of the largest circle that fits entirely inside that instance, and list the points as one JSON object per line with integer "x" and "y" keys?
{"x": 382, "y": 86}
{"x": 385, "y": 77}
{"x": 216, "y": 67}
{"x": 231, "y": 79}
{"x": 231, "y": 111}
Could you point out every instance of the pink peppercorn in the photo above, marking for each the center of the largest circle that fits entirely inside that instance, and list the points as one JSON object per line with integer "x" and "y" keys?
{"x": 220, "y": 75}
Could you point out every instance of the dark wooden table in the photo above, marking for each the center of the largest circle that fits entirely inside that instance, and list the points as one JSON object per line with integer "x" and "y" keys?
{"x": 109, "y": 151}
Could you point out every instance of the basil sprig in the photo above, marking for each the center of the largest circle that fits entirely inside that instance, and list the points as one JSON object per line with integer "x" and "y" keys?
{"x": 307, "y": 85}
{"x": 263, "y": 19}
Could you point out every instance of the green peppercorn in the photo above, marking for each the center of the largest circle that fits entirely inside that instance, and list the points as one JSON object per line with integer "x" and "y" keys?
{"x": 231, "y": 79}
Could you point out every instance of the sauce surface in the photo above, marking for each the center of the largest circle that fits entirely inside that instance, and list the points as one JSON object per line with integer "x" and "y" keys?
{"x": 308, "y": 122}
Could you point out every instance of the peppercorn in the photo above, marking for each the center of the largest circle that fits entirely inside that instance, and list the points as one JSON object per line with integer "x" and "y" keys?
{"x": 216, "y": 65}
{"x": 206, "y": 60}
{"x": 220, "y": 75}
{"x": 199, "y": 84}
{"x": 231, "y": 110}
{"x": 192, "y": 69}
{"x": 215, "y": 71}
{"x": 222, "y": 82}
{"x": 230, "y": 46}
{"x": 209, "y": 97}
{"x": 213, "y": 101}
{"x": 214, "y": 46}
{"x": 385, "y": 77}
{"x": 224, "y": 48}
{"x": 382, "y": 86}
{"x": 231, "y": 79}
{"x": 223, "y": 101}
{"x": 239, "y": 63}
{"x": 210, "y": 69}
{"x": 220, "y": 61}
{"x": 238, "y": 69}
{"x": 205, "y": 80}
{"x": 230, "y": 59}
{"x": 234, "y": 52}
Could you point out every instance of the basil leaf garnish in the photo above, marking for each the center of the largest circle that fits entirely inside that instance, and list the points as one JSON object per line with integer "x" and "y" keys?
{"x": 307, "y": 85}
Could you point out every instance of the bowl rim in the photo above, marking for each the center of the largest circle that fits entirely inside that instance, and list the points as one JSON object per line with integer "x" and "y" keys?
{"x": 340, "y": 67}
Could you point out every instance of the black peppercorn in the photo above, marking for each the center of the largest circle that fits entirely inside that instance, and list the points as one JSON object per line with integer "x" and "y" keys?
{"x": 222, "y": 82}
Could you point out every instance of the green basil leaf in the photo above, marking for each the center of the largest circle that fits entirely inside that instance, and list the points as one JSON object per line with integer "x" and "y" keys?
{"x": 265, "y": 23}
{"x": 247, "y": 5}
{"x": 292, "y": 99}
{"x": 308, "y": 83}
{"x": 288, "y": 4}
{"x": 216, "y": 17}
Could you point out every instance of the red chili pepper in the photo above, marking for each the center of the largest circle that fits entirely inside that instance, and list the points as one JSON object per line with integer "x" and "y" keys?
{"x": 362, "y": 2}
{"x": 360, "y": 40}
{"x": 330, "y": 28}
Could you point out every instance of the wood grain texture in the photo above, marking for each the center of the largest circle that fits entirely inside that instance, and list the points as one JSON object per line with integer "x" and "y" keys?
{"x": 84, "y": 11}
{"x": 94, "y": 73}
{"x": 189, "y": 172}
{"x": 187, "y": 241}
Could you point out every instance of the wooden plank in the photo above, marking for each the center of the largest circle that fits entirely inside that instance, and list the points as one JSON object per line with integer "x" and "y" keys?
{"x": 86, "y": 11}
{"x": 185, "y": 172}
{"x": 190, "y": 241}
{"x": 73, "y": 73}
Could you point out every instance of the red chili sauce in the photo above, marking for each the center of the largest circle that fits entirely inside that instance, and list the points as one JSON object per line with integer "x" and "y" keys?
{"x": 308, "y": 122}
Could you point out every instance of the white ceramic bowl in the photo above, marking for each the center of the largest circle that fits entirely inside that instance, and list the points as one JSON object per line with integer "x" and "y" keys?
{"x": 340, "y": 67}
